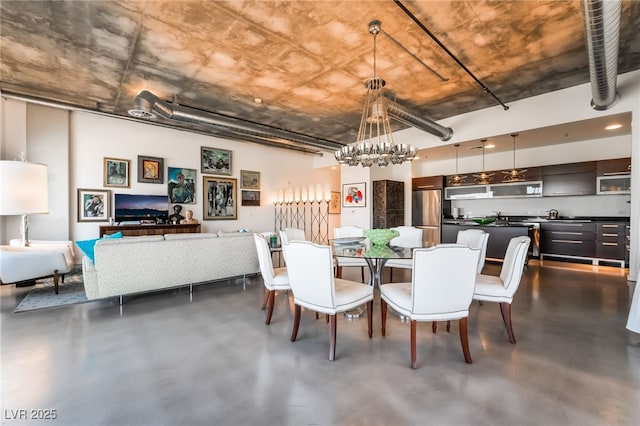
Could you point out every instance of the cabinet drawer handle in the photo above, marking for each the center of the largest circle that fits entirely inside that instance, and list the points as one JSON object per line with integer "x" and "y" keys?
{"x": 426, "y": 186}
{"x": 609, "y": 235}
{"x": 616, "y": 173}
{"x": 609, "y": 226}
{"x": 567, "y": 233}
{"x": 567, "y": 241}
{"x": 577, "y": 225}
{"x": 609, "y": 244}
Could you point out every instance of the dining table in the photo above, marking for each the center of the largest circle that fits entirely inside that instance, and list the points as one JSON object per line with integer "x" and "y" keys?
{"x": 375, "y": 257}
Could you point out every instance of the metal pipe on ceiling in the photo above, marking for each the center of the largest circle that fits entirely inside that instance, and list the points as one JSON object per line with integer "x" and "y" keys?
{"x": 148, "y": 105}
{"x": 402, "y": 114}
{"x": 602, "y": 32}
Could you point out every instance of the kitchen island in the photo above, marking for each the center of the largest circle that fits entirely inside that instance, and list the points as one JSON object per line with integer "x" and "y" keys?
{"x": 499, "y": 234}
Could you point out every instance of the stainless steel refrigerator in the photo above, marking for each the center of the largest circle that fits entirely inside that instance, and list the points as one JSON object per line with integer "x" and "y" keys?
{"x": 427, "y": 210}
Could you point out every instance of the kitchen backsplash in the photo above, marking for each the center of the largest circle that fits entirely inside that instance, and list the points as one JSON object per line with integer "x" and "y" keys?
{"x": 596, "y": 205}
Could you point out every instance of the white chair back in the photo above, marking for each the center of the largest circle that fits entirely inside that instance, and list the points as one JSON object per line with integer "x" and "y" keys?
{"x": 443, "y": 280}
{"x": 513, "y": 265}
{"x": 476, "y": 239}
{"x": 264, "y": 259}
{"x": 409, "y": 237}
{"x": 348, "y": 231}
{"x": 292, "y": 234}
{"x": 310, "y": 268}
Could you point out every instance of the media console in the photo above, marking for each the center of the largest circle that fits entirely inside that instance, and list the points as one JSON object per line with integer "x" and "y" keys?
{"x": 137, "y": 230}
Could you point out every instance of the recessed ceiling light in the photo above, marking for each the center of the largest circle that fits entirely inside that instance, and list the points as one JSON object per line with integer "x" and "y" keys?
{"x": 257, "y": 101}
{"x": 613, "y": 126}
{"x": 489, "y": 145}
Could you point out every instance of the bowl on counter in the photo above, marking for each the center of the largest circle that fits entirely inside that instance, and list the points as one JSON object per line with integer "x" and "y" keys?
{"x": 484, "y": 220}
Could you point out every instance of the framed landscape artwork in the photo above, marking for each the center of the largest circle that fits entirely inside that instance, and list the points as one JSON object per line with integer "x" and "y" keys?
{"x": 250, "y": 198}
{"x": 219, "y": 198}
{"x": 94, "y": 205}
{"x": 334, "y": 203}
{"x": 354, "y": 195}
{"x": 116, "y": 172}
{"x": 150, "y": 169}
{"x": 249, "y": 179}
{"x": 215, "y": 161}
{"x": 182, "y": 185}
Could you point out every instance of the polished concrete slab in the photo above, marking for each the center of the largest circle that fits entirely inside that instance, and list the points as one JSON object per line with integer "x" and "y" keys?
{"x": 172, "y": 359}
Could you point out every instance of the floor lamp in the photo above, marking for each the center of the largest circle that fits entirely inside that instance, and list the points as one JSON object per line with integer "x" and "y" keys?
{"x": 24, "y": 190}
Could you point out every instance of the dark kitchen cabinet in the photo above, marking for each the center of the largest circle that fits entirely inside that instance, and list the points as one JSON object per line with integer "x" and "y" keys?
{"x": 569, "y": 179}
{"x": 427, "y": 182}
{"x": 499, "y": 236}
{"x": 617, "y": 166}
{"x": 388, "y": 203}
{"x": 570, "y": 239}
{"x": 610, "y": 240}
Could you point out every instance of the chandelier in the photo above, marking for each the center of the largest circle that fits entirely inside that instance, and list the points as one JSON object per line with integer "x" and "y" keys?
{"x": 375, "y": 144}
{"x": 514, "y": 175}
{"x": 483, "y": 178}
{"x": 457, "y": 179}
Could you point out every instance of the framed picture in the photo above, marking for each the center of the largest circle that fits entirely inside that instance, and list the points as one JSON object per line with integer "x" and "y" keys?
{"x": 250, "y": 198}
{"x": 219, "y": 198}
{"x": 215, "y": 161}
{"x": 116, "y": 172}
{"x": 354, "y": 194}
{"x": 150, "y": 169}
{"x": 94, "y": 205}
{"x": 334, "y": 203}
{"x": 182, "y": 185}
{"x": 249, "y": 180}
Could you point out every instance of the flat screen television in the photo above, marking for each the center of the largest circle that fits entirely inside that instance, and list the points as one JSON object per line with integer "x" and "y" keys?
{"x": 142, "y": 208}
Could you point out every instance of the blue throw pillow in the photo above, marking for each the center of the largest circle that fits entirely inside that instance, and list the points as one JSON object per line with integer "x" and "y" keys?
{"x": 87, "y": 245}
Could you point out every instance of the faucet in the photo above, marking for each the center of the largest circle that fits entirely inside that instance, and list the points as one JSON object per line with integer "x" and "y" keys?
{"x": 498, "y": 215}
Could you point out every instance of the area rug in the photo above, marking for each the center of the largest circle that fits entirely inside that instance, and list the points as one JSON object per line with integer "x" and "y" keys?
{"x": 43, "y": 295}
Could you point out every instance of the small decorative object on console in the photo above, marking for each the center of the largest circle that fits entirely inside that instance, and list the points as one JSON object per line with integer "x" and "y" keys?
{"x": 380, "y": 237}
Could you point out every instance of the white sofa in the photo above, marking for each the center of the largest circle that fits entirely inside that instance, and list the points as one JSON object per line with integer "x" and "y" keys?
{"x": 140, "y": 264}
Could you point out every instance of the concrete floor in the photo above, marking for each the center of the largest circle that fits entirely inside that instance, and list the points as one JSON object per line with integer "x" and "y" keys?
{"x": 211, "y": 361}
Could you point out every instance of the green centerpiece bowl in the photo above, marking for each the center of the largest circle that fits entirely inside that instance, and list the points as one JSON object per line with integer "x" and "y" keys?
{"x": 380, "y": 237}
{"x": 484, "y": 220}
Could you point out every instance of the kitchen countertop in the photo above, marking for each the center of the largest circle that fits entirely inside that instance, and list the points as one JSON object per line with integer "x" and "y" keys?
{"x": 523, "y": 220}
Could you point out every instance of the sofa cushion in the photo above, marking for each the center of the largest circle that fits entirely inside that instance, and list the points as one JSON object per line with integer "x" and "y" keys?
{"x": 87, "y": 246}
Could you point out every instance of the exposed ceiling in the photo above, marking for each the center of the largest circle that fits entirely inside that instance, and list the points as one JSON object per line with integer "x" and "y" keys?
{"x": 305, "y": 60}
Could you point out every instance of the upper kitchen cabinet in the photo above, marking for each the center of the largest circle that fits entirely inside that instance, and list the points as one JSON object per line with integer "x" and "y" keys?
{"x": 569, "y": 179}
{"x": 614, "y": 176}
{"x": 427, "y": 182}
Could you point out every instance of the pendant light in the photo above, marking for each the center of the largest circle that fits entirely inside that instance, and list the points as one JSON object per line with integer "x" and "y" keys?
{"x": 375, "y": 144}
{"x": 514, "y": 175}
{"x": 484, "y": 177}
{"x": 457, "y": 179}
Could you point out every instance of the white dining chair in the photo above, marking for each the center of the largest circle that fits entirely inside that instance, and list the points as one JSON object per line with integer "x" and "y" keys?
{"x": 441, "y": 289}
{"x": 274, "y": 279}
{"x": 502, "y": 288}
{"x": 409, "y": 237}
{"x": 310, "y": 269}
{"x": 346, "y": 232}
{"x": 476, "y": 239}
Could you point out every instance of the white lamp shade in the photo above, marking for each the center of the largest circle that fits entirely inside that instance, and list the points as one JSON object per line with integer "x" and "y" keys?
{"x": 24, "y": 188}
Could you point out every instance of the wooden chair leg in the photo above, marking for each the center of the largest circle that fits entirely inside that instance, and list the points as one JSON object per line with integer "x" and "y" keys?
{"x": 326, "y": 318}
{"x": 383, "y": 316}
{"x": 413, "y": 344}
{"x": 332, "y": 343}
{"x": 296, "y": 323}
{"x": 448, "y": 326}
{"x": 464, "y": 340}
{"x": 339, "y": 272}
{"x": 370, "y": 317}
{"x": 362, "y": 273}
{"x": 317, "y": 315}
{"x": 270, "y": 304}
{"x": 56, "y": 280}
{"x": 434, "y": 327}
{"x": 265, "y": 299}
{"x": 505, "y": 309}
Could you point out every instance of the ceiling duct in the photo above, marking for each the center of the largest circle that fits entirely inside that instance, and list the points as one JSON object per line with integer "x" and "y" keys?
{"x": 602, "y": 30}
{"x": 404, "y": 115}
{"x": 147, "y": 105}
